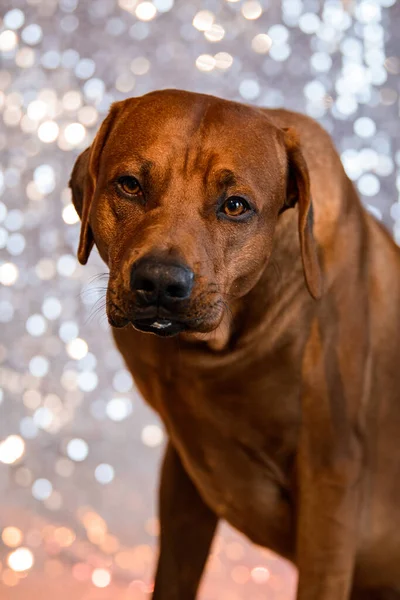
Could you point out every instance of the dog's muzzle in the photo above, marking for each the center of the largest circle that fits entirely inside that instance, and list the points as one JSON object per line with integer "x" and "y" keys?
{"x": 161, "y": 288}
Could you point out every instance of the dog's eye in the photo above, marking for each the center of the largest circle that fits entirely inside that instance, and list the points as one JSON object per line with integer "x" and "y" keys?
{"x": 235, "y": 206}
{"x": 130, "y": 185}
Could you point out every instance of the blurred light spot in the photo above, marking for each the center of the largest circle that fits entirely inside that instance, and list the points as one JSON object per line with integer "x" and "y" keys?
{"x": 249, "y": 89}
{"x": 51, "y": 59}
{"x": 309, "y": 23}
{"x": 280, "y": 52}
{"x": 205, "y": 62}
{"x": 77, "y": 450}
{"x": 122, "y": 381}
{"x": 260, "y": 575}
{"x": 69, "y": 215}
{"x": 321, "y": 61}
{"x": 8, "y": 40}
{"x": 39, "y": 366}
{"x": 25, "y": 58}
{"x": 223, "y": 60}
{"x": 44, "y": 178}
{"x": 125, "y": 83}
{"x": 215, "y": 33}
{"x": 364, "y": 127}
{"x": 85, "y": 68}
{"x": 118, "y": 409}
{"x": 20, "y": 560}
{"x": 74, "y": 133}
{"x": 385, "y": 166}
{"x": 77, "y": 348}
{"x": 346, "y": 105}
{"x": 43, "y": 418}
{"x": 36, "y": 325}
{"x": 87, "y": 381}
{"x": 203, "y": 20}
{"x": 140, "y": 65}
{"x": 72, "y": 100}
{"x": 70, "y": 58}
{"x": 279, "y": 34}
{"x": 51, "y": 308}
{"x": 261, "y": 43}
{"x": 251, "y": 9}
{"x": 48, "y": 132}
{"x": 368, "y": 185}
{"x": 101, "y": 578}
{"x": 94, "y": 89}
{"x": 104, "y": 473}
{"x": 11, "y": 536}
{"x": 367, "y": 11}
{"x": 314, "y": 91}
{"x": 145, "y": 11}
{"x": 42, "y": 489}
{"x": 16, "y": 244}
{"x": 28, "y": 428}
{"x": 14, "y": 19}
{"x": 11, "y": 449}
{"x": 32, "y": 34}
{"x": 8, "y": 273}
{"x": 88, "y": 115}
{"x": 64, "y": 537}
{"x": 66, "y": 265}
{"x": 14, "y": 219}
{"x": 152, "y": 435}
{"x": 37, "y": 109}
{"x": 68, "y": 331}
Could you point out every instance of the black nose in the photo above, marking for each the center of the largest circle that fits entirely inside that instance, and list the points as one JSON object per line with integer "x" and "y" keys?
{"x": 161, "y": 282}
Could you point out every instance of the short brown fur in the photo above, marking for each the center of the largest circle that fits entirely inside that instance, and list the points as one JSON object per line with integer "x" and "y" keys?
{"x": 281, "y": 399}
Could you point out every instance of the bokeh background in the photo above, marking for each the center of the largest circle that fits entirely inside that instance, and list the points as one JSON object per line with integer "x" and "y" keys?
{"x": 79, "y": 450}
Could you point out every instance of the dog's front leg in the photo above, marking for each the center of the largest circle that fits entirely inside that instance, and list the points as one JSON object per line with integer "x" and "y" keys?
{"x": 187, "y": 527}
{"x": 329, "y": 475}
{"x": 326, "y": 537}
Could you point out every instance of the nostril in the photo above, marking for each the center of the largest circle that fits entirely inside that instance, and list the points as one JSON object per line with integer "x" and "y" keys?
{"x": 176, "y": 290}
{"x": 154, "y": 281}
{"x": 145, "y": 285}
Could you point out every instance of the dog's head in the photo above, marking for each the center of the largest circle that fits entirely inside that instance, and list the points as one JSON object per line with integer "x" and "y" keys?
{"x": 181, "y": 194}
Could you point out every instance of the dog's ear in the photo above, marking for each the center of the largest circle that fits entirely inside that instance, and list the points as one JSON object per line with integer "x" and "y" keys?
{"x": 298, "y": 192}
{"x": 83, "y": 182}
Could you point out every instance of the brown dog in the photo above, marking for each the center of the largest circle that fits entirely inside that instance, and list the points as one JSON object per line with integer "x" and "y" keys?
{"x": 281, "y": 393}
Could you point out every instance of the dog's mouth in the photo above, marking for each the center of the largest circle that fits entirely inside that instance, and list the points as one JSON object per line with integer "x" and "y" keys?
{"x": 159, "y": 326}
{"x": 163, "y": 325}
{"x": 164, "y": 322}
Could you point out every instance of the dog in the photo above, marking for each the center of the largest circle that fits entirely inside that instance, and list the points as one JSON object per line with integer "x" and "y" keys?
{"x": 257, "y": 306}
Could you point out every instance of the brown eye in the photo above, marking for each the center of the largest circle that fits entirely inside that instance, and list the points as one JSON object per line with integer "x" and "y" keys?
{"x": 130, "y": 186}
{"x": 235, "y": 206}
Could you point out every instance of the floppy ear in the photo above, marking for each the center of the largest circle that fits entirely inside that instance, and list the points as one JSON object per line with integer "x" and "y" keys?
{"x": 83, "y": 183}
{"x": 298, "y": 192}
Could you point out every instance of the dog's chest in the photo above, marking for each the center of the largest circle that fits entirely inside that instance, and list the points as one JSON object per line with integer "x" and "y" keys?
{"x": 237, "y": 444}
{"x": 235, "y": 429}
